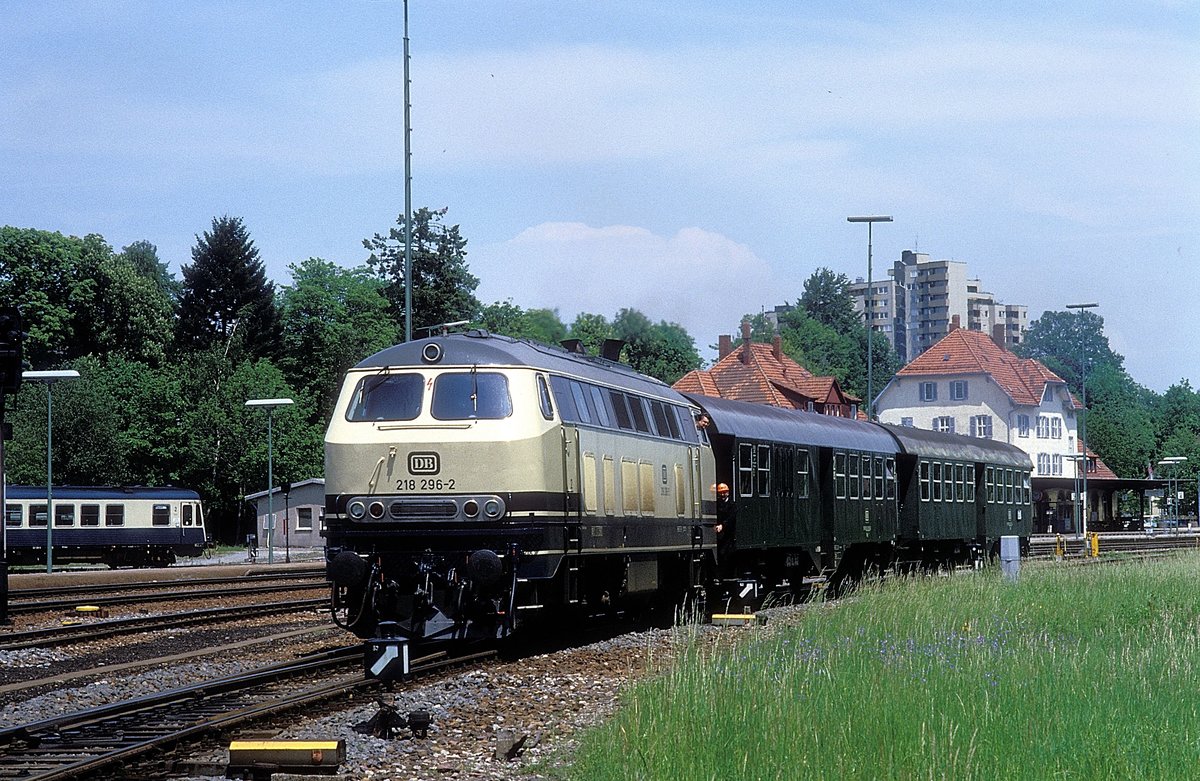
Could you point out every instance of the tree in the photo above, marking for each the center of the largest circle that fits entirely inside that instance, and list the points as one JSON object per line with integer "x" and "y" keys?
{"x": 143, "y": 257}
{"x": 331, "y": 318}
{"x": 226, "y": 289}
{"x": 826, "y": 298}
{"x": 591, "y": 330}
{"x": 1065, "y": 341}
{"x": 40, "y": 272}
{"x": 664, "y": 350}
{"x": 443, "y": 288}
{"x": 539, "y": 325}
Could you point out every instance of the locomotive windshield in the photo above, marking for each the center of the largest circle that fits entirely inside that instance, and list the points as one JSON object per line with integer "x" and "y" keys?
{"x": 387, "y": 397}
{"x": 471, "y": 396}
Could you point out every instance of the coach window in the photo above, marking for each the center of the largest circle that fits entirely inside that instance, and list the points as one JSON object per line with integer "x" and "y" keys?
{"x": 89, "y": 515}
{"x": 852, "y": 475}
{"x": 1009, "y": 486}
{"x": 544, "y": 401}
{"x": 937, "y": 481}
{"x": 745, "y": 469}
{"x": 64, "y": 515}
{"x": 659, "y": 412}
{"x": 960, "y": 489}
{"x": 471, "y": 396}
{"x": 802, "y": 473}
{"x": 687, "y": 425}
{"x": 949, "y": 478}
{"x": 924, "y": 481}
{"x": 890, "y": 476}
{"x": 839, "y": 475}
{"x": 764, "y": 470}
{"x": 13, "y": 514}
{"x": 1025, "y": 497}
{"x": 37, "y": 515}
{"x": 387, "y": 397}
{"x": 114, "y": 515}
{"x": 970, "y": 482}
{"x": 866, "y": 477}
{"x": 879, "y": 477}
{"x": 187, "y": 514}
{"x": 989, "y": 478}
{"x": 160, "y": 515}
{"x": 567, "y": 404}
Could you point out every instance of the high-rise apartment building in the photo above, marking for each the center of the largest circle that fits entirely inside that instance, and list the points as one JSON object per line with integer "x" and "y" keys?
{"x": 920, "y": 297}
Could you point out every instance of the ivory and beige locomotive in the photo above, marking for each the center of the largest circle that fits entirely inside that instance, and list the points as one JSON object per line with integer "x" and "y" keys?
{"x": 474, "y": 480}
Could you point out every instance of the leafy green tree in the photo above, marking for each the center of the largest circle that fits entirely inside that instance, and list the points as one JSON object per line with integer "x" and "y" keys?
{"x": 592, "y": 330}
{"x": 539, "y": 325}
{"x": 826, "y": 298}
{"x": 546, "y": 326}
{"x": 443, "y": 288}
{"x": 226, "y": 289}
{"x": 40, "y": 272}
{"x": 331, "y": 319}
{"x": 663, "y": 350}
{"x": 1065, "y": 341}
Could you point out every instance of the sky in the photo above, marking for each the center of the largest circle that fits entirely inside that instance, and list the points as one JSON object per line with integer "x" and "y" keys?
{"x": 693, "y": 160}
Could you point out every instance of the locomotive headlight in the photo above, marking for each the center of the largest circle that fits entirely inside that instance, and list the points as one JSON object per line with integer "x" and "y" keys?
{"x": 376, "y": 509}
{"x": 491, "y": 508}
{"x": 357, "y": 509}
{"x": 470, "y": 508}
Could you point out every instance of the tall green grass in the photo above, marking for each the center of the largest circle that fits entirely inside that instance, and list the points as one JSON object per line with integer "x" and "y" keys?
{"x": 1072, "y": 673}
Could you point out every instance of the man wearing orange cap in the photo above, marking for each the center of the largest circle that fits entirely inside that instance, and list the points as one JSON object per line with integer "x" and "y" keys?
{"x": 724, "y": 527}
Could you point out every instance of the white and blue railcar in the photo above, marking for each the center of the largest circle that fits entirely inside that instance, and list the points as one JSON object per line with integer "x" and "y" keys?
{"x": 120, "y": 526}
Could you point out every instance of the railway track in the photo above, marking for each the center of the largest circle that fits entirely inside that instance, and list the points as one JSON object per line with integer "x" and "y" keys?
{"x": 84, "y": 632}
{"x": 35, "y": 601}
{"x": 107, "y": 739}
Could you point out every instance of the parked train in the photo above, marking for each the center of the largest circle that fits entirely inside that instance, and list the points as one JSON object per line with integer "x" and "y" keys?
{"x": 119, "y": 526}
{"x": 473, "y": 480}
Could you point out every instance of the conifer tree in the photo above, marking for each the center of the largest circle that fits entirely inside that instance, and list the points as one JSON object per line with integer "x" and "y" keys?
{"x": 226, "y": 294}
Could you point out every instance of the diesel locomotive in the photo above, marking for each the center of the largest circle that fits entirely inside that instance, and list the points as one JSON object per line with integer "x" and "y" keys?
{"x": 474, "y": 481}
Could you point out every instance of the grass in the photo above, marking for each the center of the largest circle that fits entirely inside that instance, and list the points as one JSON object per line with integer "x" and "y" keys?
{"x": 1072, "y": 673}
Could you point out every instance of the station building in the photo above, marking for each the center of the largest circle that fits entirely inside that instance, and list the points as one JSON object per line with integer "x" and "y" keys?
{"x": 299, "y": 510}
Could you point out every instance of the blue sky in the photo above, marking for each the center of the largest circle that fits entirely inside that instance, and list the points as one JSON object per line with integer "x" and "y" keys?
{"x": 693, "y": 160}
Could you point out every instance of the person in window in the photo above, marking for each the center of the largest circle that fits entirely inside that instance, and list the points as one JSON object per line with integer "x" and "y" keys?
{"x": 726, "y": 517}
{"x": 702, "y": 422}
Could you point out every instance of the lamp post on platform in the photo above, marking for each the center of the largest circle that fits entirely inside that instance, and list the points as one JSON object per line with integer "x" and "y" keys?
{"x": 870, "y": 221}
{"x": 1083, "y": 417}
{"x": 269, "y": 405}
{"x": 49, "y": 378}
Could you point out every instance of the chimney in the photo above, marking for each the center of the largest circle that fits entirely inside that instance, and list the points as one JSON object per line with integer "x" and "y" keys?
{"x": 955, "y": 323}
{"x": 777, "y": 347}
{"x": 746, "y": 342}
{"x": 724, "y": 345}
{"x": 998, "y": 335}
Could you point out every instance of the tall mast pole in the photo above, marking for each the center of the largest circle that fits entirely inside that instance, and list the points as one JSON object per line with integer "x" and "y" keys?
{"x": 408, "y": 275}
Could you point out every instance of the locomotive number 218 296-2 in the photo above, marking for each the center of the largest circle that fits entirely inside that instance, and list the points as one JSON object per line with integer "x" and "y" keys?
{"x": 424, "y": 484}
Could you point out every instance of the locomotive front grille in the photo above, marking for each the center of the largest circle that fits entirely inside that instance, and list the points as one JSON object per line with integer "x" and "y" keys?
{"x": 423, "y": 508}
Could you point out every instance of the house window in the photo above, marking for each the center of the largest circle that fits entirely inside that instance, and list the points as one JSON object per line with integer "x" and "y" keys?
{"x": 906, "y": 422}
{"x": 1043, "y": 463}
{"x": 304, "y": 517}
{"x": 958, "y": 390}
{"x": 944, "y": 423}
{"x": 1022, "y": 425}
{"x": 981, "y": 426}
{"x": 1056, "y": 462}
{"x": 1055, "y": 428}
{"x": 1043, "y": 427}
{"x": 929, "y": 391}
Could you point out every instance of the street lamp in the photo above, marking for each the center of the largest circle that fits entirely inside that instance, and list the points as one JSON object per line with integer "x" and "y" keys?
{"x": 870, "y": 221}
{"x": 269, "y": 405}
{"x": 1083, "y": 417}
{"x": 49, "y": 378}
{"x": 1173, "y": 501}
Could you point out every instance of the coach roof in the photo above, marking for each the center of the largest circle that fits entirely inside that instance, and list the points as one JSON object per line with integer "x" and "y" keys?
{"x": 956, "y": 447}
{"x": 479, "y": 348}
{"x": 775, "y": 424}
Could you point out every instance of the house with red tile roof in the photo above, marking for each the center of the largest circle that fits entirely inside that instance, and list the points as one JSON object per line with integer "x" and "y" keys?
{"x": 968, "y": 383}
{"x": 762, "y": 374}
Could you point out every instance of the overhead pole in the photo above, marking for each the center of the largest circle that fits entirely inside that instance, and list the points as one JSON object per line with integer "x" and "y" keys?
{"x": 870, "y": 220}
{"x": 408, "y": 275}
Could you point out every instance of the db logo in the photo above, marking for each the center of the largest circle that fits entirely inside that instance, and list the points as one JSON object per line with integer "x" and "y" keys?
{"x": 424, "y": 463}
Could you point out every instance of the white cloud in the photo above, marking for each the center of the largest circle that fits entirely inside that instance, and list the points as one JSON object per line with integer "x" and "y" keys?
{"x": 702, "y": 280}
